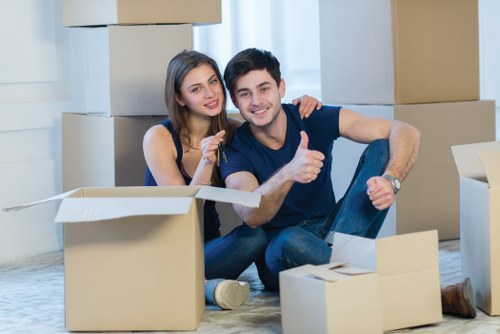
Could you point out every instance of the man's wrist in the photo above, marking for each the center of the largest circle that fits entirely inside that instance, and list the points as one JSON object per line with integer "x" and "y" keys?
{"x": 395, "y": 182}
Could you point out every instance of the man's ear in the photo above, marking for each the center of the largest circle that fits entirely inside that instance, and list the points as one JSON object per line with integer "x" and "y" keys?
{"x": 180, "y": 101}
{"x": 235, "y": 102}
{"x": 282, "y": 88}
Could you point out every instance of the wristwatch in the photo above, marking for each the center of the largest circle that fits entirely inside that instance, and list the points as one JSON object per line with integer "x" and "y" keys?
{"x": 396, "y": 184}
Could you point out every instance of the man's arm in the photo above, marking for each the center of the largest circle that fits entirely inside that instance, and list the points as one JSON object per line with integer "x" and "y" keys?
{"x": 404, "y": 143}
{"x": 303, "y": 168}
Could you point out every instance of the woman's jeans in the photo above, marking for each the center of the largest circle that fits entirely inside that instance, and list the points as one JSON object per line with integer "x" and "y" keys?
{"x": 302, "y": 243}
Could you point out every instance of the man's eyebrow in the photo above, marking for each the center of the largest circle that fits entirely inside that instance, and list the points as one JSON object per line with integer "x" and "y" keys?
{"x": 265, "y": 83}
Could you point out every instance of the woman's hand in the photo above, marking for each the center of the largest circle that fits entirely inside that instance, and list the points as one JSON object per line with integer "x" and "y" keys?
{"x": 209, "y": 147}
{"x": 307, "y": 104}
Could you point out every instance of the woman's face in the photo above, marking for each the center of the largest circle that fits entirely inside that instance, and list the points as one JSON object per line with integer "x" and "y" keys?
{"x": 202, "y": 92}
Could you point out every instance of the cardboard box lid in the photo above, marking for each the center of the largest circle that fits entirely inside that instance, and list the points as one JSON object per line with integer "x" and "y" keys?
{"x": 479, "y": 161}
{"x": 96, "y": 204}
{"x": 335, "y": 271}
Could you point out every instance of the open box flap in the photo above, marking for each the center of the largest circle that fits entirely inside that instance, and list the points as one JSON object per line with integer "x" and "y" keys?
{"x": 467, "y": 158}
{"x": 357, "y": 251}
{"x": 89, "y": 209}
{"x": 47, "y": 200}
{"x": 232, "y": 196}
{"x": 491, "y": 164}
{"x": 335, "y": 271}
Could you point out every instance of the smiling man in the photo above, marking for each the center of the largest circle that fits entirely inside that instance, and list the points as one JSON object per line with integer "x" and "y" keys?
{"x": 288, "y": 160}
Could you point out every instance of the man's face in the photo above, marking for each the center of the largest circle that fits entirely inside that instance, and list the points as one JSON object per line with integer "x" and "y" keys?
{"x": 258, "y": 97}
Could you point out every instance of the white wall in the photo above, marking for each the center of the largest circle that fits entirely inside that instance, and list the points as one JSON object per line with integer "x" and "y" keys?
{"x": 489, "y": 53}
{"x": 34, "y": 86}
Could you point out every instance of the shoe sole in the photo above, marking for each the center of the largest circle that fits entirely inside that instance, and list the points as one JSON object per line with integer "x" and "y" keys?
{"x": 230, "y": 294}
{"x": 470, "y": 300}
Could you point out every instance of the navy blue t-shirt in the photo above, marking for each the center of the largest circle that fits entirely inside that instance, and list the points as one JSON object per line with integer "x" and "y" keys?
{"x": 304, "y": 201}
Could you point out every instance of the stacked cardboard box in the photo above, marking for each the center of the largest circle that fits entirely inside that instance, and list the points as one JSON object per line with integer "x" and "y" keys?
{"x": 414, "y": 61}
{"x": 120, "y": 50}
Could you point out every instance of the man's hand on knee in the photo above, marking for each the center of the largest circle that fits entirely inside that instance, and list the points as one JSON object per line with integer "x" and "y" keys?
{"x": 380, "y": 192}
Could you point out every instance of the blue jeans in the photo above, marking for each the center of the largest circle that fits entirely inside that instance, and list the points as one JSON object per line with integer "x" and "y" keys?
{"x": 228, "y": 256}
{"x": 303, "y": 243}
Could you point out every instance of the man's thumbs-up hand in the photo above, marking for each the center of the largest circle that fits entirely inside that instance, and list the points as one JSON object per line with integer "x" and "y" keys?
{"x": 306, "y": 164}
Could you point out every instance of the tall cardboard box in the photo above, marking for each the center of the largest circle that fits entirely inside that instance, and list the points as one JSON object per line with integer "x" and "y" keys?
{"x": 108, "y": 12}
{"x": 399, "y": 51}
{"x": 120, "y": 70}
{"x": 429, "y": 196}
{"x": 408, "y": 266}
{"x": 133, "y": 256}
{"x": 479, "y": 168}
{"x": 102, "y": 151}
{"x": 330, "y": 298}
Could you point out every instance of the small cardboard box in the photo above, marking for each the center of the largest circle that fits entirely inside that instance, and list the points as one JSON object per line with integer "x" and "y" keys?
{"x": 330, "y": 298}
{"x": 399, "y": 51}
{"x": 133, "y": 256}
{"x": 479, "y": 168}
{"x": 103, "y": 151}
{"x": 408, "y": 266}
{"x": 442, "y": 125}
{"x": 107, "y": 12}
{"x": 121, "y": 70}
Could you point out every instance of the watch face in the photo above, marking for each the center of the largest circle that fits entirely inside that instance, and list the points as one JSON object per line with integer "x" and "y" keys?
{"x": 397, "y": 184}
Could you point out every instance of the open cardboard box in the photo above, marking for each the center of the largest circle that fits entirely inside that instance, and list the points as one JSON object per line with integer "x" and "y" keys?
{"x": 330, "y": 298}
{"x": 133, "y": 256}
{"x": 479, "y": 168}
{"x": 409, "y": 274}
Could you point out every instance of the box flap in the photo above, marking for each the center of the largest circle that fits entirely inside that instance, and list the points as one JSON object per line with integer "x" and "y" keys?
{"x": 335, "y": 271}
{"x": 51, "y": 199}
{"x": 357, "y": 251}
{"x": 232, "y": 196}
{"x": 491, "y": 164}
{"x": 467, "y": 158}
{"x": 74, "y": 210}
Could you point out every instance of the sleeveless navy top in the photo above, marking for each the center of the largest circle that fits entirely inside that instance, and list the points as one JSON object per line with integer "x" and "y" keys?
{"x": 211, "y": 217}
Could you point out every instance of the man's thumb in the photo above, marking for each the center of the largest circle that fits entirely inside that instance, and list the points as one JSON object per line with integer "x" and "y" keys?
{"x": 304, "y": 141}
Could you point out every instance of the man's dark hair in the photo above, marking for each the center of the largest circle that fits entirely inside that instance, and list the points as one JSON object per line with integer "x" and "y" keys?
{"x": 249, "y": 60}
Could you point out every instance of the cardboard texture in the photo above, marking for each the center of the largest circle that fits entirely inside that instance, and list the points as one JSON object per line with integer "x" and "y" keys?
{"x": 479, "y": 168}
{"x": 121, "y": 70}
{"x": 101, "y": 151}
{"x": 133, "y": 256}
{"x": 107, "y": 12}
{"x": 442, "y": 125}
{"x": 330, "y": 298}
{"x": 409, "y": 274}
{"x": 399, "y": 51}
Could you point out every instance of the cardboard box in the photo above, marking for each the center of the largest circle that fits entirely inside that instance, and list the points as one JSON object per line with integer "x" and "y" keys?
{"x": 107, "y": 12}
{"x": 133, "y": 256}
{"x": 121, "y": 70}
{"x": 101, "y": 151}
{"x": 479, "y": 168}
{"x": 330, "y": 298}
{"x": 408, "y": 266}
{"x": 429, "y": 196}
{"x": 399, "y": 51}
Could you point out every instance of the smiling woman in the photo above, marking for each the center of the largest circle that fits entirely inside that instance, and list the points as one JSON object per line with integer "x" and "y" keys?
{"x": 289, "y": 28}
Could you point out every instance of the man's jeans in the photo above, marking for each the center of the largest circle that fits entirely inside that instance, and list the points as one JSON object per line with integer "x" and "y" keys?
{"x": 304, "y": 243}
{"x": 277, "y": 250}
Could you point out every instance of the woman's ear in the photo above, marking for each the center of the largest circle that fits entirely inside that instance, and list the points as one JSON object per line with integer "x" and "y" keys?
{"x": 180, "y": 101}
